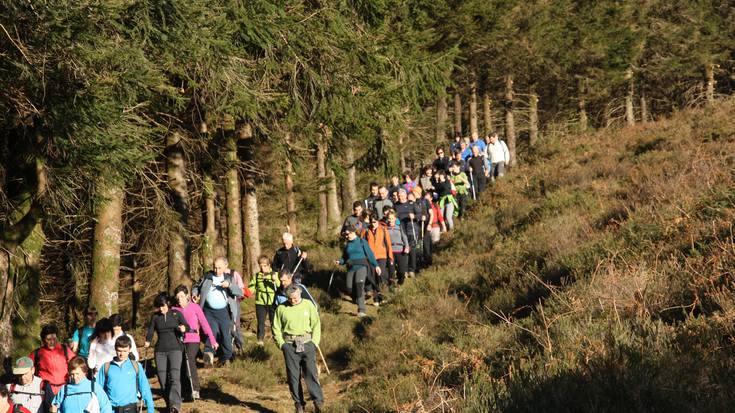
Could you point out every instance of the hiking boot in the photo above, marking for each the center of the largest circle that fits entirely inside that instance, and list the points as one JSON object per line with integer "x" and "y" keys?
{"x": 410, "y": 274}
{"x": 260, "y": 343}
{"x": 318, "y": 407}
{"x": 299, "y": 407}
{"x": 209, "y": 359}
{"x": 224, "y": 363}
{"x": 376, "y": 303}
{"x": 361, "y": 314}
{"x": 195, "y": 395}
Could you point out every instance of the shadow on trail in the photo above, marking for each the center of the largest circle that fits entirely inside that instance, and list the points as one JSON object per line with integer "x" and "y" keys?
{"x": 215, "y": 394}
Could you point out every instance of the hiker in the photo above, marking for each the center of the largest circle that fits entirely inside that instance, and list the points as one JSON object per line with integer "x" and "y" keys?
{"x": 409, "y": 214}
{"x": 80, "y": 395}
{"x": 425, "y": 202}
{"x": 382, "y": 202}
{"x": 399, "y": 247}
{"x": 102, "y": 347}
{"x": 290, "y": 258}
{"x": 218, "y": 295}
{"x": 477, "y": 171}
{"x": 50, "y": 361}
{"x": 359, "y": 258}
{"x": 395, "y": 186}
{"x": 198, "y": 323}
{"x": 427, "y": 178}
{"x": 26, "y": 389}
{"x": 456, "y": 145}
{"x": 408, "y": 183}
{"x": 379, "y": 241}
{"x": 441, "y": 163}
{"x": 457, "y": 157}
{"x": 436, "y": 224}
{"x": 480, "y": 143}
{"x": 461, "y": 184}
{"x": 123, "y": 379}
{"x": 498, "y": 156}
{"x": 7, "y": 405}
{"x": 286, "y": 279}
{"x": 83, "y": 336}
{"x": 466, "y": 151}
{"x": 263, "y": 285}
{"x": 355, "y": 220}
{"x": 169, "y": 325}
{"x": 117, "y": 332}
{"x": 447, "y": 203}
{"x": 368, "y": 203}
{"x": 297, "y": 331}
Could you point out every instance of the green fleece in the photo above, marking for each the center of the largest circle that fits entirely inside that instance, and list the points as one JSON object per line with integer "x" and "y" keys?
{"x": 264, "y": 287}
{"x": 297, "y": 320}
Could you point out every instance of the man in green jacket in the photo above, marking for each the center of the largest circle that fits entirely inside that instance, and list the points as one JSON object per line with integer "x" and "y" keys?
{"x": 297, "y": 331}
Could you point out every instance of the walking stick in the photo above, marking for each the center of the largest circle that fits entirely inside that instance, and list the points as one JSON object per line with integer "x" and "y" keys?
{"x": 331, "y": 277}
{"x": 188, "y": 367}
{"x": 296, "y": 268}
{"x": 472, "y": 185}
{"x": 323, "y": 359}
{"x": 145, "y": 368}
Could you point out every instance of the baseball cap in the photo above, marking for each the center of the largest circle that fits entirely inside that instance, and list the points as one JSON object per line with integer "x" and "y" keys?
{"x": 22, "y": 366}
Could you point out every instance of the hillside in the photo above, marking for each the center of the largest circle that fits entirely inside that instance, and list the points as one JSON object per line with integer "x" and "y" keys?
{"x": 597, "y": 277}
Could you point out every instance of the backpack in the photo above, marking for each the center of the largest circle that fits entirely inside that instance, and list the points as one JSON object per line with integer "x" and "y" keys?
{"x": 91, "y": 391}
{"x": 131, "y": 357}
{"x": 36, "y": 358}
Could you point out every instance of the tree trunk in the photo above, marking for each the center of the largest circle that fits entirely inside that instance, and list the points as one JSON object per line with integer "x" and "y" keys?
{"x": 6, "y": 306}
{"x": 710, "y": 86}
{"x": 582, "y": 105}
{"x": 210, "y": 229}
{"x": 288, "y": 173}
{"x": 233, "y": 206}
{"x": 510, "y": 126}
{"x": 441, "y": 119}
{"x": 349, "y": 184}
{"x": 250, "y": 205}
{"x": 533, "y": 119}
{"x": 103, "y": 288}
{"x": 644, "y": 108}
{"x": 334, "y": 214}
{"x": 457, "y": 114}
{"x": 401, "y": 154}
{"x": 474, "y": 131}
{"x": 487, "y": 114}
{"x": 178, "y": 258}
{"x": 321, "y": 162}
{"x": 629, "y": 109}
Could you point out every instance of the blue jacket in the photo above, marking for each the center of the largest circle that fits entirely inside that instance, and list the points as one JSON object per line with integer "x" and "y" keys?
{"x": 74, "y": 398}
{"x": 120, "y": 386}
{"x": 358, "y": 252}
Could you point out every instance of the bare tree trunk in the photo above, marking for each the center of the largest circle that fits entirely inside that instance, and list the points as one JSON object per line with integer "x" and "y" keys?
{"x": 457, "y": 113}
{"x": 104, "y": 286}
{"x": 333, "y": 212}
{"x": 288, "y": 173}
{"x": 582, "y": 105}
{"x": 210, "y": 228}
{"x": 441, "y": 119}
{"x": 250, "y": 205}
{"x": 321, "y": 162}
{"x": 533, "y": 119}
{"x": 487, "y": 113}
{"x": 510, "y": 126}
{"x": 474, "y": 131}
{"x": 233, "y": 205}
{"x": 644, "y": 108}
{"x": 178, "y": 259}
{"x": 401, "y": 153}
{"x": 6, "y": 305}
{"x": 629, "y": 109}
{"x": 710, "y": 86}
{"x": 349, "y": 184}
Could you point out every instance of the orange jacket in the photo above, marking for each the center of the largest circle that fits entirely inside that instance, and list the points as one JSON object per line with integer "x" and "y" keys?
{"x": 379, "y": 242}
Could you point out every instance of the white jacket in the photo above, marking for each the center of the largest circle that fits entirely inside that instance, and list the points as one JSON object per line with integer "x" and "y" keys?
{"x": 498, "y": 152}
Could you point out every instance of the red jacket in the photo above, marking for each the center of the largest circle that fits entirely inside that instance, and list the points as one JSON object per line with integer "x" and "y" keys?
{"x": 52, "y": 365}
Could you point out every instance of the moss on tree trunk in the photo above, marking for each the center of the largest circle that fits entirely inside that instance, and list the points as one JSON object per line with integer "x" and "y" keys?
{"x": 510, "y": 125}
{"x": 232, "y": 206}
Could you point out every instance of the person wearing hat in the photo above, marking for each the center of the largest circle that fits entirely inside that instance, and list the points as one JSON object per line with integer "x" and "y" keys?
{"x": 359, "y": 258}
{"x": 7, "y": 405}
{"x": 27, "y": 388}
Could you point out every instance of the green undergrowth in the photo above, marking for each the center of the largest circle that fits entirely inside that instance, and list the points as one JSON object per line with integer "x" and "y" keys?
{"x": 596, "y": 277}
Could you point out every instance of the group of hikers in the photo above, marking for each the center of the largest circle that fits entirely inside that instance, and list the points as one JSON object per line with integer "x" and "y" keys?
{"x": 388, "y": 238}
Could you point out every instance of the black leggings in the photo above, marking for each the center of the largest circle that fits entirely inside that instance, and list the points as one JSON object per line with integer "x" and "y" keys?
{"x": 260, "y": 312}
{"x": 400, "y": 266}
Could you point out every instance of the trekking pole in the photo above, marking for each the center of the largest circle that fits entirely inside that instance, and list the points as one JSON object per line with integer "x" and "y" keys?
{"x": 145, "y": 369}
{"x": 331, "y": 277}
{"x": 472, "y": 185}
{"x": 323, "y": 359}
{"x": 297, "y": 265}
{"x": 188, "y": 367}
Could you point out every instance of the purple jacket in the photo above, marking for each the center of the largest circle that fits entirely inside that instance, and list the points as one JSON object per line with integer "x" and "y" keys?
{"x": 194, "y": 316}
